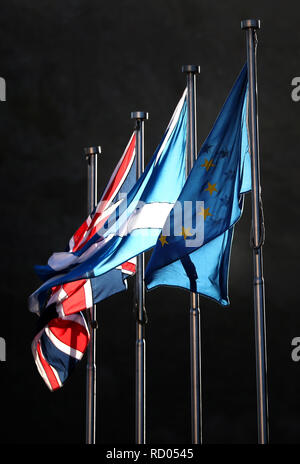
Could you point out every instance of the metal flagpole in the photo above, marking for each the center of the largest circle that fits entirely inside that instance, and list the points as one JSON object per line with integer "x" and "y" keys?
{"x": 91, "y": 154}
{"x": 141, "y": 319}
{"x": 195, "y": 330}
{"x": 251, "y": 25}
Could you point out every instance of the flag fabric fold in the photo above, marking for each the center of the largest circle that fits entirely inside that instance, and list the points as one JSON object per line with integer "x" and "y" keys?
{"x": 59, "y": 346}
{"x": 194, "y": 253}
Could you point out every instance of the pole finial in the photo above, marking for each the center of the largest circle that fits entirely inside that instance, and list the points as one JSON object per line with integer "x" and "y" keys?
{"x": 191, "y": 68}
{"x": 92, "y": 150}
{"x": 250, "y": 24}
{"x": 139, "y": 115}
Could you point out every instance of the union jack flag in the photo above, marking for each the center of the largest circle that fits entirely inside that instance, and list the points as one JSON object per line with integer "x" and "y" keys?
{"x": 62, "y": 333}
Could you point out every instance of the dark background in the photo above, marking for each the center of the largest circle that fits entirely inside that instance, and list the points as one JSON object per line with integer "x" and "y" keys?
{"x": 74, "y": 72}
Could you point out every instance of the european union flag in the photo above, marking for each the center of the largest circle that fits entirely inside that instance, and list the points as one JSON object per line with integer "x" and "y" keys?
{"x": 193, "y": 250}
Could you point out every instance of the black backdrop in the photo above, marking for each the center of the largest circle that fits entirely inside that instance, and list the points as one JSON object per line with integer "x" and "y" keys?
{"x": 74, "y": 72}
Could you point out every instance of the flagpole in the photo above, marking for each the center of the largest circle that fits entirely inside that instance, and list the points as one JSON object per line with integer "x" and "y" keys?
{"x": 140, "y": 366}
{"x": 195, "y": 329}
{"x": 250, "y": 26}
{"x": 91, "y": 154}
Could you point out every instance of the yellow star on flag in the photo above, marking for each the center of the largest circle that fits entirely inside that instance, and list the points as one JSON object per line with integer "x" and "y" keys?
{"x": 186, "y": 232}
{"x": 163, "y": 240}
{"x": 211, "y": 188}
{"x": 205, "y": 212}
{"x": 208, "y": 164}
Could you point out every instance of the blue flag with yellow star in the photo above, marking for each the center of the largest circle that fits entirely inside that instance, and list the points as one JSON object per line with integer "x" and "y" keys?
{"x": 193, "y": 250}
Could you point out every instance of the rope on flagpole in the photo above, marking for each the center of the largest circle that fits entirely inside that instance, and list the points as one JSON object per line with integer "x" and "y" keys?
{"x": 262, "y": 229}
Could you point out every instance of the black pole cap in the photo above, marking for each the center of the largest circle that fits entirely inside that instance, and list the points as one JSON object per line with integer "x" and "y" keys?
{"x": 139, "y": 115}
{"x": 191, "y": 68}
{"x": 92, "y": 150}
{"x": 250, "y": 24}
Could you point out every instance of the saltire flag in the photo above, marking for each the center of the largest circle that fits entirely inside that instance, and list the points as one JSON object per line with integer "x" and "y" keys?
{"x": 193, "y": 250}
{"x": 135, "y": 221}
{"x": 62, "y": 333}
